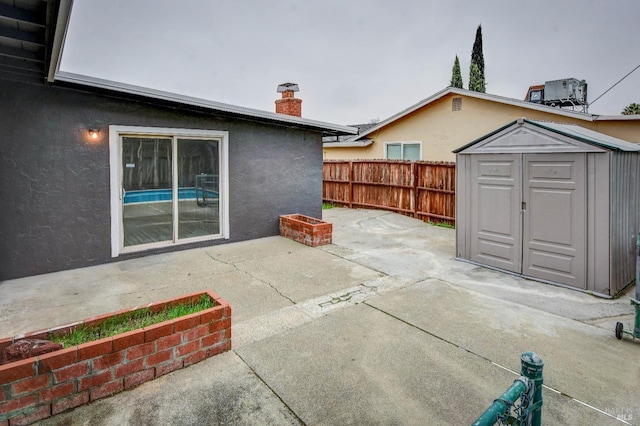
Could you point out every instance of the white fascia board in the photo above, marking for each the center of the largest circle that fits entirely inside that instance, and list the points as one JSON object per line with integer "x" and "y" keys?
{"x": 620, "y": 117}
{"x": 478, "y": 95}
{"x": 60, "y": 34}
{"x": 352, "y": 144}
{"x": 203, "y": 103}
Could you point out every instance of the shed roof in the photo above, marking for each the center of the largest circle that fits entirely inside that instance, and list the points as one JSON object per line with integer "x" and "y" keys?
{"x": 578, "y": 133}
{"x": 588, "y": 136}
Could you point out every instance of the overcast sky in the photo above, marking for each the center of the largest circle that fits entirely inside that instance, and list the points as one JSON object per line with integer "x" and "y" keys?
{"x": 354, "y": 60}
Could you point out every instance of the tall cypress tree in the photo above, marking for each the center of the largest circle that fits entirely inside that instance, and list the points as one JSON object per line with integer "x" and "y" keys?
{"x": 456, "y": 75}
{"x": 476, "y": 82}
{"x": 476, "y": 75}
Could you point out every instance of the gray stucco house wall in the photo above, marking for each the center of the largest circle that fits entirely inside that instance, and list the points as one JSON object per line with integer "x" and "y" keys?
{"x": 55, "y": 192}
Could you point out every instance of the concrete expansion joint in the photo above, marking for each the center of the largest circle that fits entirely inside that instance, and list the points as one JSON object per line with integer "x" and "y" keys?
{"x": 352, "y": 259}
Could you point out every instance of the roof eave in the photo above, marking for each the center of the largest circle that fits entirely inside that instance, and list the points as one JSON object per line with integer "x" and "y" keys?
{"x": 352, "y": 144}
{"x": 620, "y": 117}
{"x": 83, "y": 80}
{"x": 404, "y": 112}
{"x": 59, "y": 36}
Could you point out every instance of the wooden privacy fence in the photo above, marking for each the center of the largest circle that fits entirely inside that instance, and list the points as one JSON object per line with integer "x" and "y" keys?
{"x": 423, "y": 189}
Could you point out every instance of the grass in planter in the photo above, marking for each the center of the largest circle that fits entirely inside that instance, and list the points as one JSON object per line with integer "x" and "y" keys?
{"x": 131, "y": 321}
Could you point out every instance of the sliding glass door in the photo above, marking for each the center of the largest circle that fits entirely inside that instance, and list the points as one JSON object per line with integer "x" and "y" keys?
{"x": 170, "y": 189}
{"x": 147, "y": 187}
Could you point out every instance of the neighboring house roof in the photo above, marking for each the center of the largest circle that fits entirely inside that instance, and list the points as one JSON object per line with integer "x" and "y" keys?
{"x": 364, "y": 127}
{"x": 349, "y": 142}
{"x": 570, "y": 130}
{"x": 32, "y": 36}
{"x": 346, "y": 140}
{"x": 487, "y": 97}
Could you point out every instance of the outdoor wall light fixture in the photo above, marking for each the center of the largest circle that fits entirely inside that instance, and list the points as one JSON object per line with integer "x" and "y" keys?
{"x": 93, "y": 133}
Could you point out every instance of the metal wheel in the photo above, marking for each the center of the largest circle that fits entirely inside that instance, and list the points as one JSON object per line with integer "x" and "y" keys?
{"x": 619, "y": 328}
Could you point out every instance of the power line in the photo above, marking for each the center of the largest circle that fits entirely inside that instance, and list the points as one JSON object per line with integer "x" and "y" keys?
{"x": 628, "y": 74}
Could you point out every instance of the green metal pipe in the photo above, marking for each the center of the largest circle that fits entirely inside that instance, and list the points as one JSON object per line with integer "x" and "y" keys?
{"x": 636, "y": 328}
{"x": 499, "y": 406}
{"x": 532, "y": 369}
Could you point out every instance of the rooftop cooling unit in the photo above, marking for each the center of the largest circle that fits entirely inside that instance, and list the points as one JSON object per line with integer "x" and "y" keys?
{"x": 570, "y": 90}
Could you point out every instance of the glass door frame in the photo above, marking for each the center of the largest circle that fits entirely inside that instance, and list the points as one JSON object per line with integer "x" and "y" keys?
{"x": 116, "y": 133}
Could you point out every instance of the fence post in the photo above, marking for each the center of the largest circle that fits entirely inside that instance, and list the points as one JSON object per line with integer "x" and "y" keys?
{"x": 532, "y": 368}
{"x": 350, "y": 184}
{"x": 414, "y": 188}
{"x": 531, "y": 377}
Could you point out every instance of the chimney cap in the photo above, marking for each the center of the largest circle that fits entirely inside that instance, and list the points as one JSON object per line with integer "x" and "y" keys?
{"x": 288, "y": 87}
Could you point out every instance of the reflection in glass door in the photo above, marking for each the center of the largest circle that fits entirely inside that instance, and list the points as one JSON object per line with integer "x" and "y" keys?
{"x": 147, "y": 190}
{"x": 170, "y": 189}
{"x": 198, "y": 187}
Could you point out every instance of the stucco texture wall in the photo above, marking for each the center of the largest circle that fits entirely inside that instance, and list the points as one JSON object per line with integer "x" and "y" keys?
{"x": 353, "y": 153}
{"x": 441, "y": 130}
{"x": 55, "y": 192}
{"x": 622, "y": 129}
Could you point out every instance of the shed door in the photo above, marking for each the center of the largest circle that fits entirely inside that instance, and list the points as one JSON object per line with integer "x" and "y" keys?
{"x": 554, "y": 220}
{"x": 496, "y": 194}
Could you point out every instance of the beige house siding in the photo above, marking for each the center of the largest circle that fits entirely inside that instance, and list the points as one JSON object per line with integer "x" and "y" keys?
{"x": 442, "y": 130}
{"x": 352, "y": 153}
{"x": 621, "y": 129}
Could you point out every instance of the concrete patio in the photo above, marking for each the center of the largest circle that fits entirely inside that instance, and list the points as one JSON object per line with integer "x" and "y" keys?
{"x": 382, "y": 327}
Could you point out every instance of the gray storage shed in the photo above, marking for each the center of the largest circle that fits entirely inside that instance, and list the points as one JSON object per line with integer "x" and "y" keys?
{"x": 554, "y": 202}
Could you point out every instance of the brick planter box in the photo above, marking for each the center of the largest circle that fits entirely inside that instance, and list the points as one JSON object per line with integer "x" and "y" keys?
{"x": 305, "y": 229}
{"x": 38, "y": 387}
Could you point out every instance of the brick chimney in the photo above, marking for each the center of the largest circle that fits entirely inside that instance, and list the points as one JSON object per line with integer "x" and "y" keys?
{"x": 289, "y": 104}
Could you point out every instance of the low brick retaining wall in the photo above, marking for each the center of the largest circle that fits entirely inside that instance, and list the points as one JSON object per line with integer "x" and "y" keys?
{"x": 38, "y": 387}
{"x": 306, "y": 230}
